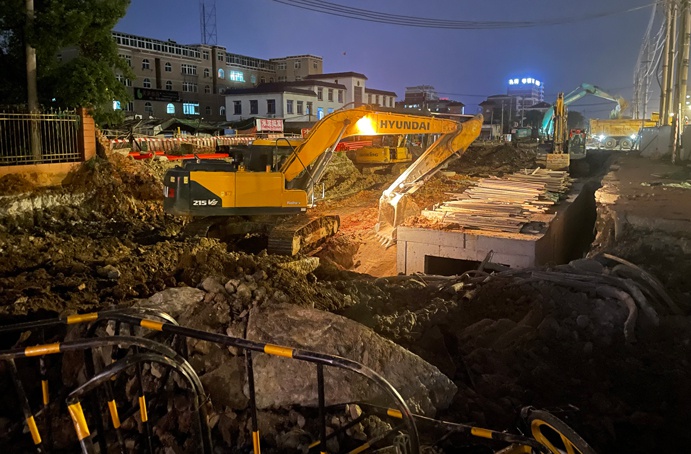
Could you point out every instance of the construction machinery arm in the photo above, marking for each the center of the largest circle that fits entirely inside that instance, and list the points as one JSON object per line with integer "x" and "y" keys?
{"x": 319, "y": 145}
{"x": 393, "y": 200}
{"x": 547, "y": 126}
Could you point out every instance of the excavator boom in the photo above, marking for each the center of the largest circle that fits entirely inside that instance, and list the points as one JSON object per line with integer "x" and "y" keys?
{"x": 392, "y": 204}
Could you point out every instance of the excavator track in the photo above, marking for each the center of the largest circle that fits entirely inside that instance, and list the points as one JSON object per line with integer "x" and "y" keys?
{"x": 301, "y": 233}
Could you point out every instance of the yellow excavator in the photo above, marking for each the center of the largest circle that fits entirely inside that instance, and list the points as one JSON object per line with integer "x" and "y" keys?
{"x": 260, "y": 200}
{"x": 387, "y": 153}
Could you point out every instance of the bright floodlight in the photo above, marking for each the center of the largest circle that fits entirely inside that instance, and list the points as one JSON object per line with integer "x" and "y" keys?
{"x": 365, "y": 126}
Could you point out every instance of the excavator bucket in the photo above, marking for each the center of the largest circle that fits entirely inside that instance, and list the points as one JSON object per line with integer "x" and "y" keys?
{"x": 393, "y": 202}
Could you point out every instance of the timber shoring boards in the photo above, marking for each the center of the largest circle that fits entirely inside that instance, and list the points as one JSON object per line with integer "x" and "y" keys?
{"x": 503, "y": 204}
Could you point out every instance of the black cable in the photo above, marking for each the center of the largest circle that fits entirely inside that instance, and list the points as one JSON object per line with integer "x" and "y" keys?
{"x": 334, "y": 9}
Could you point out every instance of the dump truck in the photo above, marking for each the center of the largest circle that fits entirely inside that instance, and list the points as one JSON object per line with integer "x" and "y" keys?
{"x": 617, "y": 134}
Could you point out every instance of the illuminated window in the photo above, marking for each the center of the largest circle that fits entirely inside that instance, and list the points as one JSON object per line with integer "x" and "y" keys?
{"x": 236, "y": 76}
{"x": 170, "y": 108}
{"x": 221, "y": 74}
{"x": 320, "y": 113}
{"x": 189, "y": 108}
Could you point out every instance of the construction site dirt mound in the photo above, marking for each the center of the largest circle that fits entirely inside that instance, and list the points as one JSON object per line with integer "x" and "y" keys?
{"x": 506, "y": 340}
{"x": 497, "y": 160}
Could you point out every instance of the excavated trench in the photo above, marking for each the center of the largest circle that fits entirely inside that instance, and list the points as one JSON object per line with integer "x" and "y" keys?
{"x": 556, "y": 337}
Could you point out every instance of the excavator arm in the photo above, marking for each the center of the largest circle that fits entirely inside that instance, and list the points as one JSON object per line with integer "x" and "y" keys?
{"x": 304, "y": 167}
{"x": 547, "y": 127}
{"x": 392, "y": 204}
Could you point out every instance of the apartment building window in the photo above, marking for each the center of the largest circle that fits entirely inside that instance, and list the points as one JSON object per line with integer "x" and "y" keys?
{"x": 271, "y": 106}
{"x": 170, "y": 108}
{"x": 190, "y": 108}
{"x": 289, "y": 106}
{"x": 169, "y": 85}
{"x": 222, "y": 111}
{"x": 168, "y": 67}
{"x": 281, "y": 66}
{"x": 207, "y": 109}
{"x": 147, "y": 83}
{"x": 320, "y": 94}
{"x": 309, "y": 108}
{"x": 331, "y": 95}
{"x": 149, "y": 109}
{"x": 298, "y": 77}
{"x": 369, "y": 98}
{"x": 146, "y": 64}
{"x": 128, "y": 59}
{"x": 314, "y": 65}
{"x": 297, "y": 65}
{"x": 262, "y": 80}
{"x": 253, "y": 79}
{"x": 254, "y": 107}
{"x": 129, "y": 107}
{"x": 220, "y": 57}
{"x": 320, "y": 113}
{"x": 281, "y": 78}
{"x": 376, "y": 99}
{"x": 237, "y": 107}
{"x": 207, "y": 72}
{"x": 189, "y": 87}
{"x": 207, "y": 89}
{"x": 221, "y": 74}
{"x": 205, "y": 55}
{"x": 189, "y": 69}
{"x": 128, "y": 83}
{"x": 300, "y": 107}
{"x": 340, "y": 96}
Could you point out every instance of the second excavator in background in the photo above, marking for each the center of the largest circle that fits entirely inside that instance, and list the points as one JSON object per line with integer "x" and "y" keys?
{"x": 274, "y": 201}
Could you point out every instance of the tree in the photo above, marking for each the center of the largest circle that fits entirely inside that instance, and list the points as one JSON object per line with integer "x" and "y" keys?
{"x": 76, "y": 55}
{"x": 575, "y": 120}
{"x": 533, "y": 119}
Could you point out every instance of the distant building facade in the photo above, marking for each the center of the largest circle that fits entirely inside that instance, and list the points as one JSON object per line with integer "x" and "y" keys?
{"x": 175, "y": 80}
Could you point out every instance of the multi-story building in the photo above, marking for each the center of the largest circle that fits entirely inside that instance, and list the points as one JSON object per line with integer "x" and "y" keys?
{"x": 175, "y": 80}
{"x": 296, "y": 67}
{"x": 304, "y": 100}
{"x": 528, "y": 90}
{"x": 419, "y": 97}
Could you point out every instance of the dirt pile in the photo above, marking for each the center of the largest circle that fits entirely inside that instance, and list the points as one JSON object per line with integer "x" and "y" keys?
{"x": 497, "y": 160}
{"x": 342, "y": 179}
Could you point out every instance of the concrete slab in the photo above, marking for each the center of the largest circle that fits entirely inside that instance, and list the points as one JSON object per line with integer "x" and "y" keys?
{"x": 433, "y": 251}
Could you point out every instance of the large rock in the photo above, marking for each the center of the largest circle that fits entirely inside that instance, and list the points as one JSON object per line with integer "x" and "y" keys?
{"x": 281, "y": 382}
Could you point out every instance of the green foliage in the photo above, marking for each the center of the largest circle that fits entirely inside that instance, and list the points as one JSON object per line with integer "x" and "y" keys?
{"x": 575, "y": 120}
{"x": 79, "y": 31}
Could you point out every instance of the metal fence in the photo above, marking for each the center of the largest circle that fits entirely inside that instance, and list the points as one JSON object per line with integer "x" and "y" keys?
{"x": 40, "y": 138}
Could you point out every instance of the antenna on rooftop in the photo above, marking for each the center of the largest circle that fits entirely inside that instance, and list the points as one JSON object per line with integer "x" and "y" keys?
{"x": 207, "y": 15}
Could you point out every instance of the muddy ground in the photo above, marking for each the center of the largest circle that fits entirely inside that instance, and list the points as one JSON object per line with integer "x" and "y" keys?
{"x": 507, "y": 341}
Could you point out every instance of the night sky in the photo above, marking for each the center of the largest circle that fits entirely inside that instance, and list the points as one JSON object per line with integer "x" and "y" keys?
{"x": 464, "y": 65}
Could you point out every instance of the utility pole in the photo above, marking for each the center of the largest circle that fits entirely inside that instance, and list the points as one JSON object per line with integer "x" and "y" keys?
{"x": 667, "y": 63}
{"x": 31, "y": 85}
{"x": 682, "y": 78}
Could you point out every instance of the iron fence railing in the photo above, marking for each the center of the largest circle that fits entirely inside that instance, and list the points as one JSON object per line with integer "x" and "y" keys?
{"x": 39, "y": 138}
